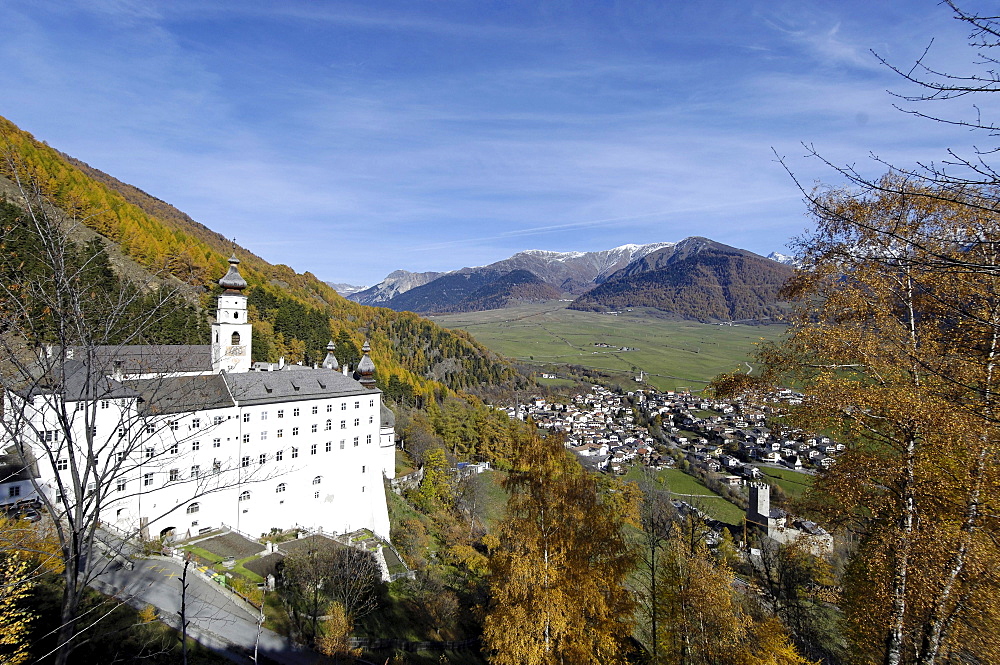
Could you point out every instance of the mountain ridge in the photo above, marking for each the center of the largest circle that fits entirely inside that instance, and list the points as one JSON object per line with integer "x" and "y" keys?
{"x": 647, "y": 268}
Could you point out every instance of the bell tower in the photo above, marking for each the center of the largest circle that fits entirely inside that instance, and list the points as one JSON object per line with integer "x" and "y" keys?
{"x": 231, "y": 332}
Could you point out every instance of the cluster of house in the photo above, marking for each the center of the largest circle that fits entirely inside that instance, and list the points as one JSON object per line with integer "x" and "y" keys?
{"x": 600, "y": 426}
{"x": 727, "y": 437}
{"x": 720, "y": 436}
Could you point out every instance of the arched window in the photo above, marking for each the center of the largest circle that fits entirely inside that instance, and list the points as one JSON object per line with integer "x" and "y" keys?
{"x": 245, "y": 496}
{"x": 329, "y": 424}
{"x": 236, "y": 338}
{"x": 193, "y": 508}
{"x": 280, "y": 488}
{"x": 317, "y": 480}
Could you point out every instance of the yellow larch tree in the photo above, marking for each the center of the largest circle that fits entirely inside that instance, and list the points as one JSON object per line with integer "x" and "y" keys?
{"x": 558, "y": 565}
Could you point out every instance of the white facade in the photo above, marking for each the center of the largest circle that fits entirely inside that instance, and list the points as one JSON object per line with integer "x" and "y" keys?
{"x": 252, "y": 450}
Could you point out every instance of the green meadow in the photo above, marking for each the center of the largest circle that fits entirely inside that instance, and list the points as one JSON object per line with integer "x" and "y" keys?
{"x": 671, "y": 353}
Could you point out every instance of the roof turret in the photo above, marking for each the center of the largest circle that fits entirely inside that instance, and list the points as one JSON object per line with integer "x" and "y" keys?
{"x": 233, "y": 281}
{"x": 330, "y": 362}
{"x": 365, "y": 373}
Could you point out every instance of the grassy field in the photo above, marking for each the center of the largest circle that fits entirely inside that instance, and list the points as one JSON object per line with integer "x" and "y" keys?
{"x": 793, "y": 482}
{"x": 690, "y": 489}
{"x": 672, "y": 354}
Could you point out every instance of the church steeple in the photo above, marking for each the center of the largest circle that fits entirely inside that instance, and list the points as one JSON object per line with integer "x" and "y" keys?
{"x": 231, "y": 332}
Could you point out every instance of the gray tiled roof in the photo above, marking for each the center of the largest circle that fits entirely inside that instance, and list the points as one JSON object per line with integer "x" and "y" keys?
{"x": 75, "y": 381}
{"x": 182, "y": 393}
{"x": 292, "y": 383}
{"x": 152, "y": 358}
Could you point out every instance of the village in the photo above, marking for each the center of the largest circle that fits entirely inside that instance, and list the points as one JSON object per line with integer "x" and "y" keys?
{"x": 615, "y": 431}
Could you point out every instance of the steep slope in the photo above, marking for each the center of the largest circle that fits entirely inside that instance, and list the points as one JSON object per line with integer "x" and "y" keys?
{"x": 697, "y": 279}
{"x": 296, "y": 314}
{"x": 513, "y": 288}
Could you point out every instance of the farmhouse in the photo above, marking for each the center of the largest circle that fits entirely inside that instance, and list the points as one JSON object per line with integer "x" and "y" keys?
{"x": 197, "y": 437}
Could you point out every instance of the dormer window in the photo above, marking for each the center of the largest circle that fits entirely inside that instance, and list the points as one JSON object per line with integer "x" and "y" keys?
{"x": 236, "y": 338}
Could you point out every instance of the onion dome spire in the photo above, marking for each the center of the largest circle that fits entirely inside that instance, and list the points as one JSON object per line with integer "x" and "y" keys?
{"x": 365, "y": 373}
{"x": 330, "y": 362}
{"x": 233, "y": 280}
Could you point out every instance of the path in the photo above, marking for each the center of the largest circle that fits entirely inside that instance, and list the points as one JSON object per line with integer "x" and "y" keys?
{"x": 215, "y": 619}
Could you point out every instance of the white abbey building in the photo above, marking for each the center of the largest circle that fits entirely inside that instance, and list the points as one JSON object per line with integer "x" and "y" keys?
{"x": 188, "y": 438}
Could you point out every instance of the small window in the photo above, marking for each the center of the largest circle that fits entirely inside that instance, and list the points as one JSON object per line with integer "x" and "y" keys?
{"x": 295, "y": 412}
{"x": 314, "y": 429}
{"x": 246, "y": 461}
{"x": 121, "y": 456}
{"x": 329, "y": 408}
{"x": 217, "y": 420}
{"x": 120, "y": 485}
{"x": 315, "y": 410}
{"x": 363, "y": 467}
{"x": 369, "y": 441}
{"x": 295, "y": 453}
{"x": 121, "y": 432}
{"x": 235, "y": 339}
{"x": 147, "y": 479}
{"x": 357, "y": 405}
{"x": 343, "y": 424}
{"x": 216, "y": 466}
{"x": 175, "y": 475}
{"x": 343, "y": 406}
{"x": 196, "y": 445}
{"x": 312, "y": 449}
{"x": 172, "y": 424}
{"x": 61, "y": 464}
{"x": 356, "y": 442}
{"x": 329, "y": 425}
{"x": 150, "y": 429}
{"x": 281, "y": 413}
{"x": 295, "y": 431}
{"x": 315, "y": 495}
{"x": 317, "y": 480}
{"x": 357, "y": 421}
{"x": 246, "y": 417}
{"x": 244, "y": 495}
{"x": 280, "y": 488}
{"x": 279, "y": 455}
{"x": 193, "y": 508}
{"x": 263, "y": 435}
{"x": 246, "y": 438}
{"x": 263, "y": 415}
{"x": 329, "y": 446}
{"x": 216, "y": 443}
{"x": 105, "y": 403}
{"x": 342, "y": 442}
{"x": 195, "y": 471}
{"x": 281, "y": 433}
{"x": 15, "y": 490}
{"x": 149, "y": 452}
{"x": 371, "y": 402}
{"x": 263, "y": 458}
{"x": 371, "y": 419}
{"x": 173, "y": 449}
{"x": 196, "y": 423}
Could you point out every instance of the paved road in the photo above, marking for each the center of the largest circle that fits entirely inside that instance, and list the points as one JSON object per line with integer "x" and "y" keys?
{"x": 215, "y": 619}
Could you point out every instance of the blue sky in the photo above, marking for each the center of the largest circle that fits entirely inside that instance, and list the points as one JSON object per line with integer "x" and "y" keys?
{"x": 351, "y": 140}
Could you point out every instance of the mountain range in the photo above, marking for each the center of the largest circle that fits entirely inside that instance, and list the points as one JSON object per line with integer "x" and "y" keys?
{"x": 695, "y": 278}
